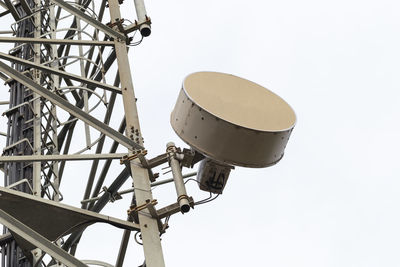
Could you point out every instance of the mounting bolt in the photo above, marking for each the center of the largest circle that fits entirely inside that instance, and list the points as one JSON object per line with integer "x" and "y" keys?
{"x": 170, "y": 145}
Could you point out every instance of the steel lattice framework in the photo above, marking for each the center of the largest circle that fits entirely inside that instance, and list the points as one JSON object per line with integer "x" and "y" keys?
{"x": 67, "y": 71}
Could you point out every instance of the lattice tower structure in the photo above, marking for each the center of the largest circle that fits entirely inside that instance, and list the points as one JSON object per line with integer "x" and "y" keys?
{"x": 67, "y": 72}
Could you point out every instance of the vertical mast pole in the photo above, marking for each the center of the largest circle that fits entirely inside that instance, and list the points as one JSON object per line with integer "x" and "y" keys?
{"x": 54, "y": 87}
{"x": 36, "y": 104}
{"x": 148, "y": 226}
{"x": 82, "y": 66}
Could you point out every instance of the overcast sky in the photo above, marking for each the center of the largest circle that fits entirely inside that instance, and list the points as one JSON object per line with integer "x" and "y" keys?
{"x": 333, "y": 199}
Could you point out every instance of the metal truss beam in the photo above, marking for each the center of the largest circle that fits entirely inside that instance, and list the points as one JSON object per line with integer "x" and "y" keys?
{"x": 26, "y": 7}
{"x": 148, "y": 226}
{"x": 3, "y": 5}
{"x": 73, "y": 110}
{"x": 60, "y": 73}
{"x": 4, "y": 239}
{"x": 95, "y": 23}
{"x": 60, "y": 157}
{"x": 38, "y": 240}
{"x": 54, "y": 41}
{"x": 12, "y": 9}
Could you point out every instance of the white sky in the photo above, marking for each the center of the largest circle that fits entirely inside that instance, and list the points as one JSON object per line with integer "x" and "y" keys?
{"x": 333, "y": 199}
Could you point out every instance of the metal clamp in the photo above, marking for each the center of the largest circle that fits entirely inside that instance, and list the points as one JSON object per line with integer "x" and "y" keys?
{"x": 136, "y": 155}
{"x": 135, "y": 209}
{"x": 176, "y": 169}
{"x": 117, "y": 23}
{"x": 182, "y": 197}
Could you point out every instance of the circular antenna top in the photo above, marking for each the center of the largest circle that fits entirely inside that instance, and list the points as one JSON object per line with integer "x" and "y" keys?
{"x": 232, "y": 120}
{"x": 239, "y": 101}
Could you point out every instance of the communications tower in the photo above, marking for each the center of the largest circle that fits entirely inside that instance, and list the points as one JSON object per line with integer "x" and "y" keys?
{"x": 68, "y": 74}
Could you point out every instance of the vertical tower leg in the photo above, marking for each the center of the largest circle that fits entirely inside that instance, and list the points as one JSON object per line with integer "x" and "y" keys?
{"x": 36, "y": 106}
{"x": 148, "y": 226}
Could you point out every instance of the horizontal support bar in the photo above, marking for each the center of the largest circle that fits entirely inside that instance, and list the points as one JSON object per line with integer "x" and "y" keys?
{"x": 130, "y": 190}
{"x": 61, "y": 157}
{"x": 172, "y": 209}
{"x": 60, "y": 73}
{"x": 136, "y": 26}
{"x": 54, "y": 41}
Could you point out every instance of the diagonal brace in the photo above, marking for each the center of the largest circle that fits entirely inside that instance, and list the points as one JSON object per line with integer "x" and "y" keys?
{"x": 26, "y": 7}
{"x": 3, "y": 5}
{"x": 95, "y": 23}
{"x": 38, "y": 240}
{"x": 12, "y": 9}
{"x": 90, "y": 83}
{"x": 73, "y": 110}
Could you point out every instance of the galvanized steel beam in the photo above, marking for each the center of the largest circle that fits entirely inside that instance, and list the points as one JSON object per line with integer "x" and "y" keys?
{"x": 26, "y": 7}
{"x": 3, "y": 5}
{"x": 12, "y": 9}
{"x": 148, "y": 226}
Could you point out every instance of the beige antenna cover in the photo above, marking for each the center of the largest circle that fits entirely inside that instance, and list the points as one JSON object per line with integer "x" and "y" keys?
{"x": 232, "y": 120}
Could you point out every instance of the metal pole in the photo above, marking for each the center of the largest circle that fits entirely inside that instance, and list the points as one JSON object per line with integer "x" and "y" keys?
{"x": 82, "y": 68}
{"x": 53, "y": 111}
{"x": 183, "y": 199}
{"x": 145, "y": 29}
{"x": 36, "y": 106}
{"x": 148, "y": 226}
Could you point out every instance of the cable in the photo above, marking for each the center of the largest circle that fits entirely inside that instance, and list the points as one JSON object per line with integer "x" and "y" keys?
{"x": 167, "y": 219}
{"x": 73, "y": 227}
{"x": 137, "y": 42}
{"x": 206, "y": 200}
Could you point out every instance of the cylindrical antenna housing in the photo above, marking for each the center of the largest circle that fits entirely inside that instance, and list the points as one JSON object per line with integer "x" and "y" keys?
{"x": 232, "y": 120}
{"x": 145, "y": 29}
{"x": 183, "y": 199}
